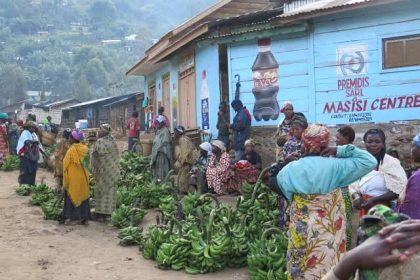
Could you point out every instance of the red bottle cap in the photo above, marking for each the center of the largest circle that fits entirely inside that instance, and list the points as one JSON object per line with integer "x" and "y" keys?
{"x": 264, "y": 42}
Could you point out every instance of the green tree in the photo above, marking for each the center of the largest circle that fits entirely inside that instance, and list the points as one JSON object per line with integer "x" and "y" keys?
{"x": 96, "y": 74}
{"x": 12, "y": 83}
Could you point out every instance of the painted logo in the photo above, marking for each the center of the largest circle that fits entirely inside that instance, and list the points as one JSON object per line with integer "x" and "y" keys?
{"x": 352, "y": 60}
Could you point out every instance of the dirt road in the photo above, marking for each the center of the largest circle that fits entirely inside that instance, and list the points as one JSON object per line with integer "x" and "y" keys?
{"x": 34, "y": 249}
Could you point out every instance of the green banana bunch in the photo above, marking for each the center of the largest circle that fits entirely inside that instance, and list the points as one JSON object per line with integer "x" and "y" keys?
{"x": 247, "y": 190}
{"x": 174, "y": 253}
{"x": 210, "y": 253}
{"x": 126, "y": 216}
{"x": 41, "y": 196}
{"x": 130, "y": 236}
{"x": 52, "y": 209}
{"x": 154, "y": 238}
{"x": 23, "y": 190}
{"x": 12, "y": 162}
{"x": 190, "y": 202}
{"x": 240, "y": 246}
{"x": 167, "y": 205}
{"x": 267, "y": 256}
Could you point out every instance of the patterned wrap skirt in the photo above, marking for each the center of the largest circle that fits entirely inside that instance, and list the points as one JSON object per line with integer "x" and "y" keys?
{"x": 317, "y": 234}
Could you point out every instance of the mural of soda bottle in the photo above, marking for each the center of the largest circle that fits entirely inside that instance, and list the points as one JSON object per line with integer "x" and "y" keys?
{"x": 266, "y": 83}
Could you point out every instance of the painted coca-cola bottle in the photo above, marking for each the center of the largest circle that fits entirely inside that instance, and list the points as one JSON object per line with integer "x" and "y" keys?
{"x": 265, "y": 76}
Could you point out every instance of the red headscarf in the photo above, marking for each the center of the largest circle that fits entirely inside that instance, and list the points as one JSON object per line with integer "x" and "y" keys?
{"x": 315, "y": 138}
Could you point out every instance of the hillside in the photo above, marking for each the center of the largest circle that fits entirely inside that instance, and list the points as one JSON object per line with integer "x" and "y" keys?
{"x": 81, "y": 48}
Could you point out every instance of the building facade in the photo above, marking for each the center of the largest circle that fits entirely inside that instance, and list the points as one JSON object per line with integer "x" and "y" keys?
{"x": 339, "y": 62}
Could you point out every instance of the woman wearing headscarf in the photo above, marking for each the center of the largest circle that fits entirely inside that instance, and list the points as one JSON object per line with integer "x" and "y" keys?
{"x": 104, "y": 162}
{"x": 382, "y": 185}
{"x": 218, "y": 167}
{"x": 60, "y": 151}
{"x": 283, "y": 133}
{"x": 28, "y": 151}
{"x": 291, "y": 150}
{"x": 409, "y": 198}
{"x": 76, "y": 180}
{"x": 13, "y": 135}
{"x": 161, "y": 160}
{"x": 185, "y": 154}
{"x": 4, "y": 139}
{"x": 198, "y": 171}
{"x": 246, "y": 170}
{"x": 317, "y": 229}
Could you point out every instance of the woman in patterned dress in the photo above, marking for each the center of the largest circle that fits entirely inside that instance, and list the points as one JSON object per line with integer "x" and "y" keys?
{"x": 218, "y": 168}
{"x": 4, "y": 143}
{"x": 104, "y": 157}
{"x": 317, "y": 226}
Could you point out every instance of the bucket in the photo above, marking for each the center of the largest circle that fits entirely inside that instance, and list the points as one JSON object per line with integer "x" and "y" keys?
{"x": 83, "y": 124}
{"x": 146, "y": 144}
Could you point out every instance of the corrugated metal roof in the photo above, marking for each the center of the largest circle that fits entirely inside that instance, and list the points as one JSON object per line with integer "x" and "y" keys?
{"x": 92, "y": 102}
{"x": 323, "y": 5}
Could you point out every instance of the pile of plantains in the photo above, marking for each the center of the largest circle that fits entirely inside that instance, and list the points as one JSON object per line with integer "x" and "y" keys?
{"x": 44, "y": 196}
{"x": 136, "y": 191}
{"x": 11, "y": 163}
{"x": 198, "y": 234}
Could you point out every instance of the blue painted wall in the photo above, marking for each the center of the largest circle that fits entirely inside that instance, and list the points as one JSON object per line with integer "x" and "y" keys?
{"x": 207, "y": 59}
{"x": 172, "y": 68}
{"x": 363, "y": 31}
{"x": 311, "y": 74}
{"x": 293, "y": 73}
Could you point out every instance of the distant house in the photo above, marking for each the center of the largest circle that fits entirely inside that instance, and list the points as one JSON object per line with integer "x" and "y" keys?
{"x": 114, "y": 110}
{"x": 37, "y": 96}
{"x": 110, "y": 42}
{"x": 43, "y": 33}
{"x": 79, "y": 27}
{"x": 41, "y": 110}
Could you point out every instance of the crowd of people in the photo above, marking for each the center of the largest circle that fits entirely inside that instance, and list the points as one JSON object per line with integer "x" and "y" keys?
{"x": 318, "y": 186}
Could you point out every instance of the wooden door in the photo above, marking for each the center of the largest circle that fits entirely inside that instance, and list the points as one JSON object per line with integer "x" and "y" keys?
{"x": 187, "y": 101}
{"x": 166, "y": 101}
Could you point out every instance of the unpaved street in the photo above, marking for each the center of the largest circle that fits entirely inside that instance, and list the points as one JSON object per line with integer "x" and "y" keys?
{"x": 34, "y": 249}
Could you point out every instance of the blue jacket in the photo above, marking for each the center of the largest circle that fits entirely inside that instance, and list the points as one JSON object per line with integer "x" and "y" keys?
{"x": 241, "y": 128}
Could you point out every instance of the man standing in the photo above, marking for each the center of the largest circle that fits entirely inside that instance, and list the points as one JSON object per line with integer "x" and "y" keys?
{"x": 133, "y": 126}
{"x": 241, "y": 127}
{"x": 223, "y": 123}
{"x": 185, "y": 155}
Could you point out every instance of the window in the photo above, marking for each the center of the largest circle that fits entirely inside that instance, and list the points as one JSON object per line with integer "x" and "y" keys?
{"x": 401, "y": 52}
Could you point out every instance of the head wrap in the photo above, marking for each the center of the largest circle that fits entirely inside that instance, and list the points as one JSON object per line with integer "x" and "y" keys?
{"x": 206, "y": 146}
{"x": 105, "y": 127}
{"x": 251, "y": 142}
{"x": 416, "y": 140}
{"x": 67, "y": 133}
{"x": 219, "y": 144}
{"x": 77, "y": 135}
{"x": 315, "y": 137}
{"x": 285, "y": 104}
{"x": 236, "y": 102}
{"x": 4, "y": 116}
{"x": 348, "y": 132}
{"x": 300, "y": 121}
{"x": 160, "y": 119}
{"x": 180, "y": 129}
{"x": 29, "y": 124}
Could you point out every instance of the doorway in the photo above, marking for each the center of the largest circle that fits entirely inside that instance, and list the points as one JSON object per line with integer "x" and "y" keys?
{"x": 223, "y": 73}
{"x": 187, "y": 99}
{"x": 166, "y": 102}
